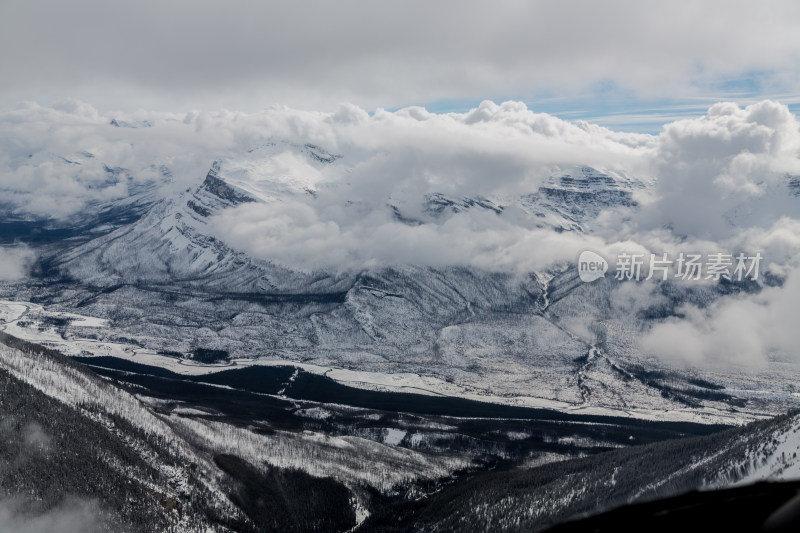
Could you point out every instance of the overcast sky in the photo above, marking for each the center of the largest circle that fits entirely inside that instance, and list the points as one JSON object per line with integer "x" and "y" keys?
{"x": 619, "y": 63}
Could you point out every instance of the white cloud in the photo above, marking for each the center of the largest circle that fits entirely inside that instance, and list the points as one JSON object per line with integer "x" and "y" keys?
{"x": 293, "y": 234}
{"x": 733, "y": 330}
{"x": 725, "y": 170}
{"x": 71, "y": 516}
{"x": 15, "y": 262}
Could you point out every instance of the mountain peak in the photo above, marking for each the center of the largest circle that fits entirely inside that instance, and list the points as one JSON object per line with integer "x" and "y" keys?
{"x": 215, "y": 194}
{"x": 215, "y": 185}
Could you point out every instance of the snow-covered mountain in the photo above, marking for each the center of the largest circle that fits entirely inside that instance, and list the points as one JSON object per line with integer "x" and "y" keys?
{"x": 533, "y": 499}
{"x": 170, "y": 282}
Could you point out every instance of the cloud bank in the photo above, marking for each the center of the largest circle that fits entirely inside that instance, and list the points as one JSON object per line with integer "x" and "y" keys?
{"x": 15, "y": 262}
{"x": 738, "y": 330}
{"x": 724, "y": 181}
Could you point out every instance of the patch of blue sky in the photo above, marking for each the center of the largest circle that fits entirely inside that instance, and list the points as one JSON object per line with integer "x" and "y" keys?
{"x": 606, "y": 104}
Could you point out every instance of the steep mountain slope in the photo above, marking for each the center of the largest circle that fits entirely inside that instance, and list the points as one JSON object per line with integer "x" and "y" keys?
{"x": 574, "y": 199}
{"x": 79, "y": 452}
{"x": 70, "y": 437}
{"x": 533, "y": 499}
